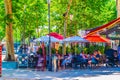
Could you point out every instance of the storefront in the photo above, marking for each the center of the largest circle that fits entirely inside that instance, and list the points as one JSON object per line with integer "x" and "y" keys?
{"x": 111, "y": 30}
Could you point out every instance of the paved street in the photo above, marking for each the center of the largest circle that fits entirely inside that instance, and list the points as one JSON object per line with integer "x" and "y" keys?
{"x": 84, "y": 74}
{"x": 97, "y": 74}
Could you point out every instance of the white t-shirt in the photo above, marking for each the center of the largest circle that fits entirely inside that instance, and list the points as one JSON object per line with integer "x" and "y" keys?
{"x": 35, "y": 48}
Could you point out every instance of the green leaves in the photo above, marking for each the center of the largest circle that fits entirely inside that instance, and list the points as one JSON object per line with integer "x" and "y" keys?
{"x": 33, "y": 14}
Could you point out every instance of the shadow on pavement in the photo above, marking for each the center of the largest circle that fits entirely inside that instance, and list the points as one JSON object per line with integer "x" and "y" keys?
{"x": 28, "y": 74}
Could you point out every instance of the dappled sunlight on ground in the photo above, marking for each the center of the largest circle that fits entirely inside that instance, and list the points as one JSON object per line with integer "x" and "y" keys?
{"x": 78, "y": 74}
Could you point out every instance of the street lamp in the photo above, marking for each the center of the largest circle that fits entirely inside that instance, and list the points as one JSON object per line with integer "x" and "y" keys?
{"x": 24, "y": 26}
{"x": 49, "y": 43}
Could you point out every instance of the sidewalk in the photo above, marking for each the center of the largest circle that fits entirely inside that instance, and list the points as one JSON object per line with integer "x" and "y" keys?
{"x": 79, "y": 74}
{"x": 28, "y": 74}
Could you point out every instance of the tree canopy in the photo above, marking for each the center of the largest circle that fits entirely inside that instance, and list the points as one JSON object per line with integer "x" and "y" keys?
{"x": 30, "y": 17}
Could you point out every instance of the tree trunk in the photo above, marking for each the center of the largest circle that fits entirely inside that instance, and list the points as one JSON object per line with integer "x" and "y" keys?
{"x": 9, "y": 32}
{"x": 66, "y": 17}
{"x": 65, "y": 23}
{"x": 118, "y": 8}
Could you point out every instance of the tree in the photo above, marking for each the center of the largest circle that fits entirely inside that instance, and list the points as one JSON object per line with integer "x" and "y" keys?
{"x": 9, "y": 32}
{"x": 2, "y": 20}
{"x": 87, "y": 14}
{"x": 31, "y": 18}
{"x": 118, "y": 7}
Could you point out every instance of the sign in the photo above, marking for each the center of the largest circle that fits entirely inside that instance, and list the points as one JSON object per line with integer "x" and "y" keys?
{"x": 0, "y": 60}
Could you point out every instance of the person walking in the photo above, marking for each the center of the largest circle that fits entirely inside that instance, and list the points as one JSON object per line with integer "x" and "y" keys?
{"x": 54, "y": 62}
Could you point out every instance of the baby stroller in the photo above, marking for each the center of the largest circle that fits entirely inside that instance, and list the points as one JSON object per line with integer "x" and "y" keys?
{"x": 111, "y": 59}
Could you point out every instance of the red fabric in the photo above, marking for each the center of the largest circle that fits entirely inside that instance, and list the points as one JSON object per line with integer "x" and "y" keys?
{"x": 56, "y": 35}
{"x": 104, "y": 26}
{"x": 96, "y": 38}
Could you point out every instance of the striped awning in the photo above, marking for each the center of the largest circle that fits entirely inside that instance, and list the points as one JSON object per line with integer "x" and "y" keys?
{"x": 105, "y": 26}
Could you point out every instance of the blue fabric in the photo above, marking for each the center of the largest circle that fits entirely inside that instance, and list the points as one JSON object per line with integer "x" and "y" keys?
{"x": 9, "y": 64}
{"x": 23, "y": 60}
{"x": 94, "y": 60}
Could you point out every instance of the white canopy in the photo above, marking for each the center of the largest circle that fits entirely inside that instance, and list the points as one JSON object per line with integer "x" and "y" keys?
{"x": 75, "y": 39}
{"x": 46, "y": 39}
